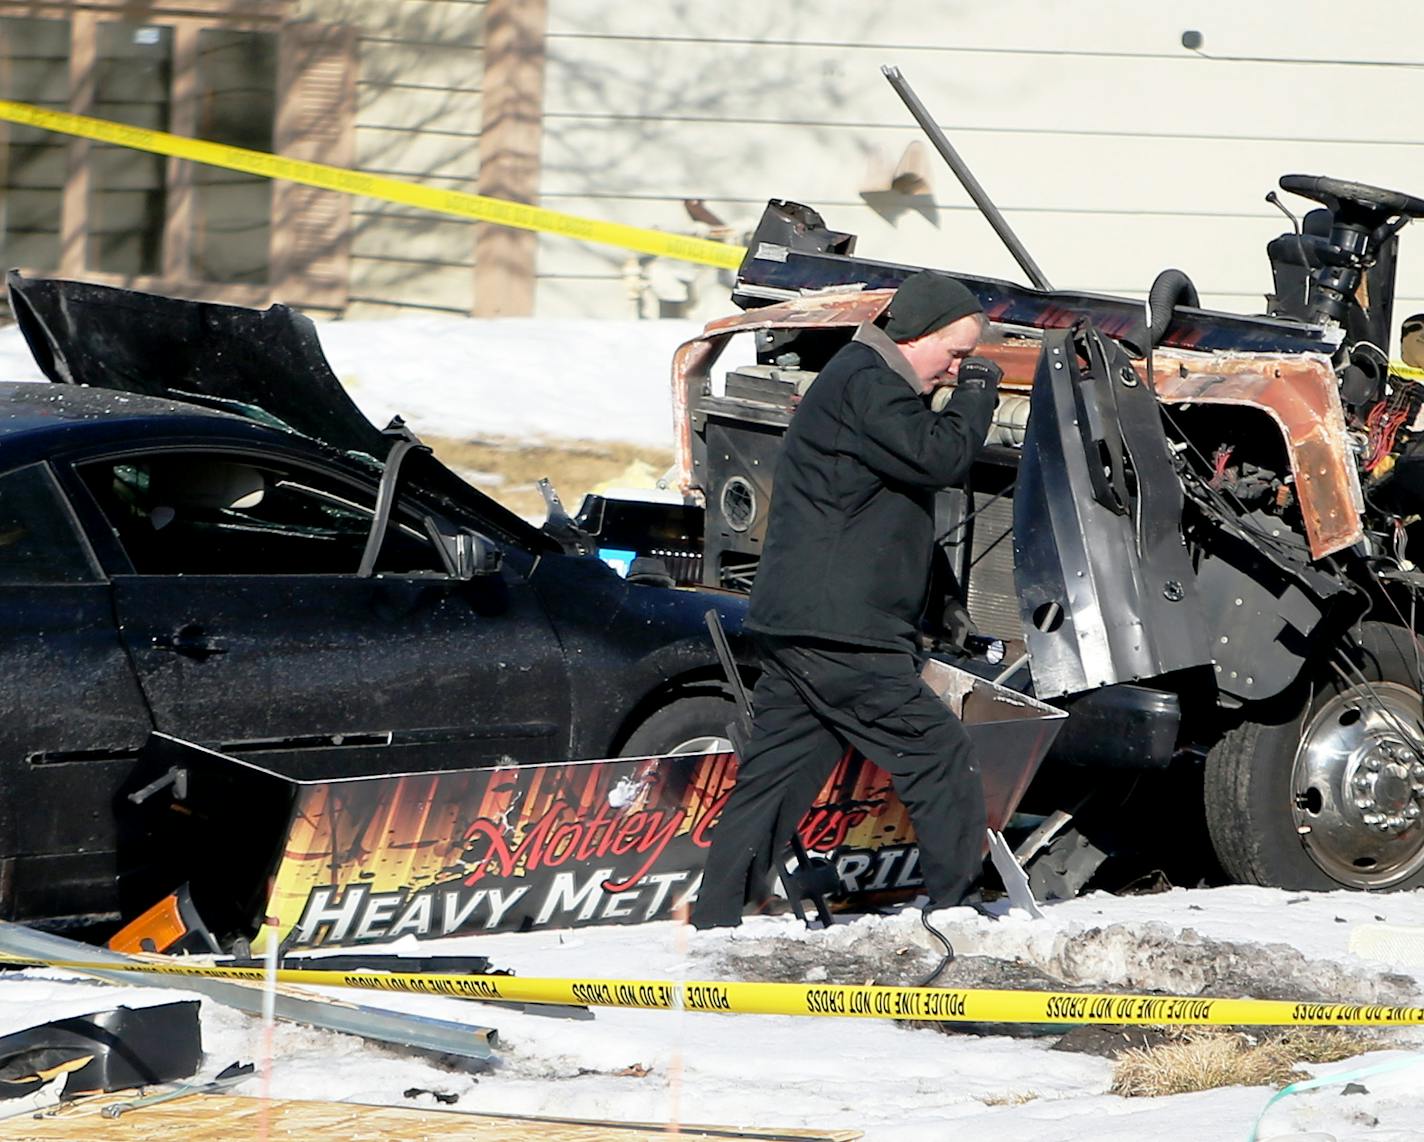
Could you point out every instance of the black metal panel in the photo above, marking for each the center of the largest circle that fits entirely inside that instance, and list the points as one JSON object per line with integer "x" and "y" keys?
{"x": 772, "y": 272}
{"x": 1263, "y": 604}
{"x": 1106, "y": 591}
{"x": 162, "y": 346}
{"x": 1119, "y": 727}
{"x": 740, "y": 460}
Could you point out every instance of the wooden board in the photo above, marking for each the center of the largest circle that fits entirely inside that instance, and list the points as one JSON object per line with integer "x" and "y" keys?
{"x": 221, "y": 1118}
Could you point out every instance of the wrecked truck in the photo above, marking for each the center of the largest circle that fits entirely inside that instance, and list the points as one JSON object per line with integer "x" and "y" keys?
{"x": 1202, "y": 528}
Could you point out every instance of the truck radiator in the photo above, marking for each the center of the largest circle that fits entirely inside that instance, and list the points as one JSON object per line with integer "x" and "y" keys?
{"x": 992, "y": 601}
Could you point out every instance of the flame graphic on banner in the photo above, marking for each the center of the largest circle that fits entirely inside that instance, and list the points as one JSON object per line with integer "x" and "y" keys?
{"x": 421, "y": 833}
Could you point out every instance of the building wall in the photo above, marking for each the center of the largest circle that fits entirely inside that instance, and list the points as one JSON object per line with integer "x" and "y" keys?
{"x": 1112, "y": 150}
{"x": 420, "y": 72}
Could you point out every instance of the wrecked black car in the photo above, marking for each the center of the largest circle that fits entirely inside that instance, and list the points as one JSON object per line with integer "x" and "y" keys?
{"x": 201, "y": 535}
{"x": 1202, "y": 528}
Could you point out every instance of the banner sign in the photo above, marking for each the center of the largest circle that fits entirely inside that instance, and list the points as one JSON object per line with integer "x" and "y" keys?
{"x": 340, "y": 855}
{"x": 548, "y": 846}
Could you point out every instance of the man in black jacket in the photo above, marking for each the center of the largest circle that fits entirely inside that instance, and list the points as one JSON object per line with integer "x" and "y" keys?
{"x": 840, "y": 592}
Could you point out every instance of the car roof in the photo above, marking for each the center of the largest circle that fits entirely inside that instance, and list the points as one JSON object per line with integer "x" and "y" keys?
{"x": 39, "y": 419}
{"x": 42, "y": 409}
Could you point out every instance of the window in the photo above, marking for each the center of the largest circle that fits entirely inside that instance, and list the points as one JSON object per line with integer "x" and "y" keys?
{"x": 133, "y": 75}
{"x": 38, "y": 540}
{"x": 191, "y": 513}
{"x": 34, "y": 56}
{"x": 237, "y": 105}
{"x": 250, "y": 75}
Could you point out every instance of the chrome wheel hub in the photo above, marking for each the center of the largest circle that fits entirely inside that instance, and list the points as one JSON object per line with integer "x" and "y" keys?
{"x": 1358, "y": 786}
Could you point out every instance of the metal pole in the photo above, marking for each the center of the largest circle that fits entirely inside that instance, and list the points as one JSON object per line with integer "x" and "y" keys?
{"x": 965, "y": 176}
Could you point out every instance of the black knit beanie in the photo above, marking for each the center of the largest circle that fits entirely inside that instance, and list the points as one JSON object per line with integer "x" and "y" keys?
{"x": 927, "y": 301}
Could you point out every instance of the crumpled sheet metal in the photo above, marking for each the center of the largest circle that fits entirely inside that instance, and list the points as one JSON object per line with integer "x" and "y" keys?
{"x": 693, "y": 361}
{"x": 1297, "y": 391}
{"x": 1300, "y": 394}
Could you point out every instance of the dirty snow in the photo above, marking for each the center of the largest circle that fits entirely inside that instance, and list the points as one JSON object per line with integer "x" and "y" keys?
{"x": 890, "y": 1082}
{"x": 608, "y": 380}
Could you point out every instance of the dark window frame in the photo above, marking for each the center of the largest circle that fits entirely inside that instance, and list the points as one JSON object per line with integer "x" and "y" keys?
{"x": 408, "y": 515}
{"x": 77, "y": 532}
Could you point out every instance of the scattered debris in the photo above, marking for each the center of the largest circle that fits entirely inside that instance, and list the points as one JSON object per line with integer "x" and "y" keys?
{"x": 632, "y": 1071}
{"x": 109, "y": 1050}
{"x": 445, "y": 1098}
{"x": 472, "y": 1044}
{"x": 229, "y": 1076}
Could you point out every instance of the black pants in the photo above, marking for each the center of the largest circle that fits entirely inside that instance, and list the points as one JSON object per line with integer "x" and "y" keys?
{"x": 812, "y": 700}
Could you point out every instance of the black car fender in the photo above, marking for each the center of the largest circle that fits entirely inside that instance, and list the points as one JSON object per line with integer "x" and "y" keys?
{"x": 632, "y": 647}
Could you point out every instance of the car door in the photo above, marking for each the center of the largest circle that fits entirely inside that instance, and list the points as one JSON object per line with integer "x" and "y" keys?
{"x": 72, "y": 717}
{"x": 251, "y": 630}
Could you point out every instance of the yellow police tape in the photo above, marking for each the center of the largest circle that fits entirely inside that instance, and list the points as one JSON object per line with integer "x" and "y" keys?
{"x": 949, "y": 1005}
{"x": 456, "y": 202}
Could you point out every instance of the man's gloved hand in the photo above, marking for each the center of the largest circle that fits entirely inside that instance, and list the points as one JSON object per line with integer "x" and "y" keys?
{"x": 979, "y": 373}
{"x": 955, "y": 621}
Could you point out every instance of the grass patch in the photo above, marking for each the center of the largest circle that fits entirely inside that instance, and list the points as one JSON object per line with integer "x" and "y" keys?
{"x": 1203, "y": 1058}
{"x": 508, "y": 470}
{"x": 1011, "y": 1098}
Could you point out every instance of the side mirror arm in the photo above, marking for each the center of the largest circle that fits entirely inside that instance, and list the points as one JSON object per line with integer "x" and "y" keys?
{"x": 467, "y": 554}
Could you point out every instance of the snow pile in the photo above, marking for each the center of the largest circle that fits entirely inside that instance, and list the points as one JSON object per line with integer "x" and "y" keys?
{"x": 511, "y": 377}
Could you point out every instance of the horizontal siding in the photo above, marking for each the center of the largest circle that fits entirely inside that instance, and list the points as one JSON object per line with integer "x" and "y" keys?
{"x": 418, "y": 155}
{"x": 404, "y": 105}
{"x": 798, "y": 85}
{"x": 418, "y": 114}
{"x": 429, "y": 238}
{"x": 559, "y": 297}
{"x": 1298, "y": 28}
{"x": 448, "y": 23}
{"x": 459, "y": 67}
{"x": 1113, "y": 151}
{"x": 412, "y": 282}
{"x": 1021, "y": 170}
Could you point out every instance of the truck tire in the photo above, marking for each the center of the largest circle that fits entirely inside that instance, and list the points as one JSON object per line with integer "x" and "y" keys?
{"x": 1332, "y": 797}
{"x": 693, "y": 724}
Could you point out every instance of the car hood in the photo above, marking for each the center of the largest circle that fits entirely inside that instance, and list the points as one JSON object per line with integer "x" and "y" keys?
{"x": 267, "y": 360}
{"x": 111, "y": 338}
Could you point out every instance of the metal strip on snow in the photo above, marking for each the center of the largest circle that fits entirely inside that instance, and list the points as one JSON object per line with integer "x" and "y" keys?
{"x": 26, "y": 945}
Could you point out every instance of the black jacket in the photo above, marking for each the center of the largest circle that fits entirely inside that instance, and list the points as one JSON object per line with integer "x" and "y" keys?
{"x": 851, "y": 532}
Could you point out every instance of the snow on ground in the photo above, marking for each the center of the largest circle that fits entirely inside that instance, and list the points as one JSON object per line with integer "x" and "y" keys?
{"x": 609, "y": 380}
{"x": 512, "y": 377}
{"x": 889, "y": 1081}
{"x": 595, "y": 380}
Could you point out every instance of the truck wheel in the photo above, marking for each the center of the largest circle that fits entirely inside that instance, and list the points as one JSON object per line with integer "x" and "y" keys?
{"x": 1333, "y": 797}
{"x": 695, "y": 724}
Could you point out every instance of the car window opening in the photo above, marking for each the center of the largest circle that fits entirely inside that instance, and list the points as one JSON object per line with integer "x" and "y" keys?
{"x": 199, "y": 515}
